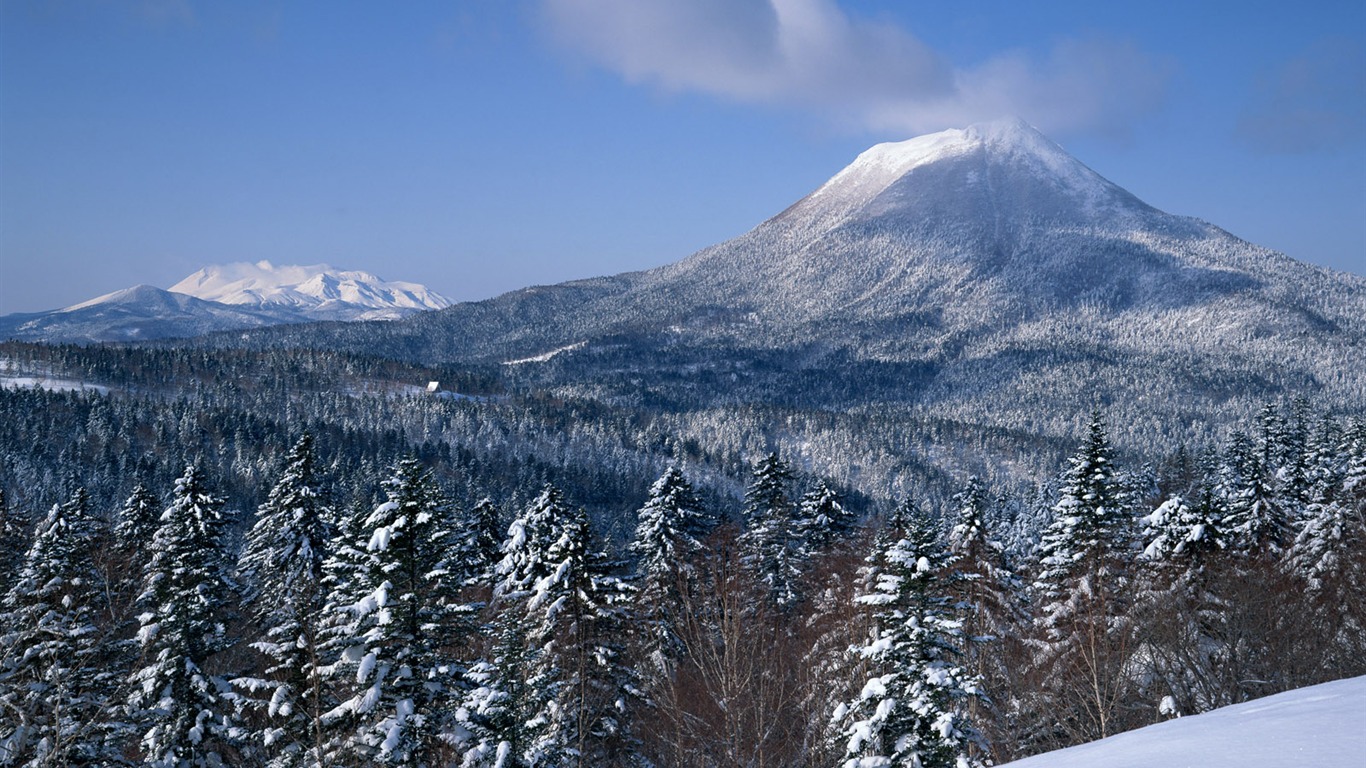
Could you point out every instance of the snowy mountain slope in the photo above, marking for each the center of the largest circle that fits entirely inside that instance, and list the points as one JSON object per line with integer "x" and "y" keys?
{"x": 981, "y": 253}
{"x": 134, "y": 314}
{"x": 223, "y": 298}
{"x": 318, "y": 291}
{"x": 983, "y": 277}
{"x": 1322, "y": 726}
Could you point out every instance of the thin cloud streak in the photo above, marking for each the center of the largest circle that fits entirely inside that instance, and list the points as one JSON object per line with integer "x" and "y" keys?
{"x": 860, "y": 74}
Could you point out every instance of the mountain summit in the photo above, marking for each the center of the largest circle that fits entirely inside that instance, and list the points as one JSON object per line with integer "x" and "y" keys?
{"x": 983, "y": 274}
{"x": 319, "y": 292}
{"x": 226, "y": 297}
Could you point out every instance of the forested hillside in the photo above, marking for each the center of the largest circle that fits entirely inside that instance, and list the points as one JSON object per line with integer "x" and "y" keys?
{"x": 304, "y": 559}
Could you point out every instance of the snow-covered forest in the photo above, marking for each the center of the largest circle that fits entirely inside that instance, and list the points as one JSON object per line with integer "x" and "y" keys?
{"x": 423, "y": 624}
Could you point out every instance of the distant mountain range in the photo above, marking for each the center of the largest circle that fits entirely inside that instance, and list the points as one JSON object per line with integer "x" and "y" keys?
{"x": 981, "y": 278}
{"x": 223, "y": 298}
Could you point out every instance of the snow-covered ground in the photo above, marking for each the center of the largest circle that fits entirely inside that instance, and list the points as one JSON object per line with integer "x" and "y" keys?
{"x": 12, "y": 378}
{"x": 1323, "y": 726}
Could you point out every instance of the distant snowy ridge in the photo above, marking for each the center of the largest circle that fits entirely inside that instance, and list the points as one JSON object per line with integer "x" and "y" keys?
{"x": 226, "y": 297}
{"x": 318, "y": 291}
{"x": 1323, "y": 726}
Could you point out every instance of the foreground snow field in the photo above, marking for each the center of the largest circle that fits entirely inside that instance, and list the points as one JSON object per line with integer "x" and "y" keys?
{"x": 1322, "y": 726}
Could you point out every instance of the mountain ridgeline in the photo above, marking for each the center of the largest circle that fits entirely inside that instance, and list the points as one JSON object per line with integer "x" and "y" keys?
{"x": 225, "y": 298}
{"x": 981, "y": 275}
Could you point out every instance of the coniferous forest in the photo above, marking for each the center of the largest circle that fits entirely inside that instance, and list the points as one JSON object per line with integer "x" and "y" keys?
{"x": 268, "y": 559}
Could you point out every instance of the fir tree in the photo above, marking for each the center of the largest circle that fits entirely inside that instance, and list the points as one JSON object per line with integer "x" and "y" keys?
{"x": 138, "y": 520}
{"x": 483, "y": 538}
{"x": 576, "y": 613}
{"x": 529, "y": 537}
{"x": 769, "y": 544}
{"x": 1258, "y": 522}
{"x": 987, "y": 597}
{"x": 910, "y": 711}
{"x": 346, "y": 577}
{"x": 1178, "y": 605}
{"x": 558, "y": 699}
{"x": 282, "y": 566}
{"x": 1330, "y": 554}
{"x": 1082, "y": 583}
{"x": 821, "y": 520}
{"x": 667, "y": 540}
{"x": 14, "y": 539}
{"x": 187, "y": 708}
{"x": 405, "y": 626}
{"x": 55, "y": 687}
{"x": 135, "y": 525}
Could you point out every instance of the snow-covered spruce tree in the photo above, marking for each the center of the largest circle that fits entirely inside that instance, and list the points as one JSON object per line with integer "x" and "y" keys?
{"x": 669, "y": 529}
{"x": 529, "y": 537}
{"x": 281, "y": 568}
{"x": 500, "y": 709}
{"x": 1330, "y": 556}
{"x": 769, "y": 544}
{"x": 55, "y": 689}
{"x": 14, "y": 539}
{"x": 482, "y": 534}
{"x": 185, "y": 708}
{"x": 577, "y": 614}
{"x": 346, "y": 574}
{"x": 911, "y": 710}
{"x": 822, "y": 520}
{"x": 135, "y": 525}
{"x": 1084, "y": 639}
{"x": 559, "y": 699}
{"x": 407, "y": 627}
{"x": 988, "y": 599}
{"x": 1259, "y": 521}
{"x": 138, "y": 519}
{"x": 1178, "y": 607}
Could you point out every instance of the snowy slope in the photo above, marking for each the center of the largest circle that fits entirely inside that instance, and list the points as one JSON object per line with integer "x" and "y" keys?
{"x": 1323, "y": 726}
{"x": 139, "y": 313}
{"x": 318, "y": 291}
{"x": 227, "y": 297}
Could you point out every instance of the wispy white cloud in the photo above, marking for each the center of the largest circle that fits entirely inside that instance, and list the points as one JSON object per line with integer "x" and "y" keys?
{"x": 1315, "y": 101}
{"x": 812, "y": 55}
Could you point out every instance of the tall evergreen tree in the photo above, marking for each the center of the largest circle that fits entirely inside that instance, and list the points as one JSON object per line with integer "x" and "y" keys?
{"x": 558, "y": 698}
{"x": 769, "y": 544}
{"x": 406, "y": 626}
{"x": 483, "y": 538}
{"x": 14, "y": 539}
{"x": 138, "y": 519}
{"x": 576, "y": 613}
{"x": 282, "y": 567}
{"x": 346, "y": 578}
{"x": 1330, "y": 555}
{"x": 186, "y": 709}
{"x": 55, "y": 687}
{"x": 667, "y": 539}
{"x": 1258, "y": 520}
{"x": 910, "y": 711}
{"x": 987, "y": 599}
{"x": 1082, "y": 590}
{"x": 821, "y": 520}
{"x": 135, "y": 525}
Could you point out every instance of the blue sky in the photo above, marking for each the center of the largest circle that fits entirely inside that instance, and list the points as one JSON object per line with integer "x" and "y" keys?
{"x": 486, "y": 145}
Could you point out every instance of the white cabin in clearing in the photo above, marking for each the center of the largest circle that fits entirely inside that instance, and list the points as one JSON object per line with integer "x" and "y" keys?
{"x": 432, "y": 387}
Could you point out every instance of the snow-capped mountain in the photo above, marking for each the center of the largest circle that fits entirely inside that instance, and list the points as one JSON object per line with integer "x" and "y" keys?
{"x": 222, "y": 298}
{"x": 984, "y": 274}
{"x": 318, "y": 291}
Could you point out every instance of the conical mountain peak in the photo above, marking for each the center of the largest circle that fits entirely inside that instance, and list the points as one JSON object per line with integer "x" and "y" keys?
{"x": 1004, "y": 164}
